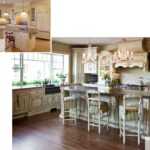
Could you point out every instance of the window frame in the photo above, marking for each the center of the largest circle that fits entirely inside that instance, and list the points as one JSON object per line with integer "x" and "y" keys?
{"x": 51, "y": 60}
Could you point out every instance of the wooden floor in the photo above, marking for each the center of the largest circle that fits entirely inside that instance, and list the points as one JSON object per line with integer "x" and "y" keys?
{"x": 46, "y": 132}
{"x": 40, "y": 46}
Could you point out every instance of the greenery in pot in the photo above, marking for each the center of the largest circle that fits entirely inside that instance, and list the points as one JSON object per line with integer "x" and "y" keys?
{"x": 111, "y": 78}
{"x": 106, "y": 76}
{"x": 62, "y": 77}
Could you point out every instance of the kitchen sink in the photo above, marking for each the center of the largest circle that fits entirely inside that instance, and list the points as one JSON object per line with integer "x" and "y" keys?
{"x": 51, "y": 89}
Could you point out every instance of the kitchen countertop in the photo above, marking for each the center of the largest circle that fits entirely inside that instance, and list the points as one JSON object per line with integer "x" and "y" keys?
{"x": 30, "y": 31}
{"x": 32, "y": 86}
{"x": 103, "y": 90}
{"x": 27, "y": 87}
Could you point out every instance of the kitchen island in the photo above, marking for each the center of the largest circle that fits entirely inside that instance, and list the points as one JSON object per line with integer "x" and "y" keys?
{"x": 24, "y": 37}
{"x": 114, "y": 97}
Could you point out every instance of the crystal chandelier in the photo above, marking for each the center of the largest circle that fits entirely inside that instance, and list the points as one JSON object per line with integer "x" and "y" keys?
{"x": 122, "y": 54}
{"x": 89, "y": 56}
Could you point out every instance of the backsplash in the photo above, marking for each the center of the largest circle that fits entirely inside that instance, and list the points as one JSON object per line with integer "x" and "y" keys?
{"x": 133, "y": 76}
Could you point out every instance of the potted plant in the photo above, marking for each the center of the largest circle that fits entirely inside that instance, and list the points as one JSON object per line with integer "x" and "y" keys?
{"x": 62, "y": 77}
{"x": 106, "y": 77}
{"x": 111, "y": 78}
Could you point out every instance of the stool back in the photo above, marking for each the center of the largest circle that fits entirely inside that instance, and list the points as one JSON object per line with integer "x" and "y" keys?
{"x": 93, "y": 100}
{"x": 133, "y": 101}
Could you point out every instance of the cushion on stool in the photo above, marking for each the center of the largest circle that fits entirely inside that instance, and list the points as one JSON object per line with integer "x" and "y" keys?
{"x": 94, "y": 108}
{"x": 131, "y": 113}
{"x": 69, "y": 102}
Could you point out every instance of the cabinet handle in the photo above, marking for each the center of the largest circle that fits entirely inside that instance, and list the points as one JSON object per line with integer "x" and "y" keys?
{"x": 18, "y": 102}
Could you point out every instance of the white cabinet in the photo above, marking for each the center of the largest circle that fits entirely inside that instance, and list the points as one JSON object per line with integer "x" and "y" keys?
{"x": 78, "y": 66}
{"x": 104, "y": 64}
{"x": 90, "y": 67}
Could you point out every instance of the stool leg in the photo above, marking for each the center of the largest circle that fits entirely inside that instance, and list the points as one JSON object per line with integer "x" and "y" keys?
{"x": 75, "y": 115}
{"x": 63, "y": 116}
{"x": 88, "y": 121}
{"x": 120, "y": 125}
{"x": 14, "y": 44}
{"x": 139, "y": 133}
{"x": 124, "y": 132}
{"x": 99, "y": 131}
{"x": 107, "y": 120}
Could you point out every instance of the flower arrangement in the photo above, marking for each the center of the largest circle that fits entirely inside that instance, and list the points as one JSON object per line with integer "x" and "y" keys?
{"x": 110, "y": 77}
{"x": 115, "y": 78}
{"x": 106, "y": 75}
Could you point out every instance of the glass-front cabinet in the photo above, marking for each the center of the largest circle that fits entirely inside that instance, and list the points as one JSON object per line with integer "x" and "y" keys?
{"x": 105, "y": 66}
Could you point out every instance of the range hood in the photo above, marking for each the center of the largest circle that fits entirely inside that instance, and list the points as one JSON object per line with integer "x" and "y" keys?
{"x": 141, "y": 49}
{"x": 139, "y": 60}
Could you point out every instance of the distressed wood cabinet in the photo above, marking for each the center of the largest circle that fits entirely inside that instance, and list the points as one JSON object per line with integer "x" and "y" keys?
{"x": 20, "y": 103}
{"x": 53, "y": 101}
{"x": 28, "y": 102}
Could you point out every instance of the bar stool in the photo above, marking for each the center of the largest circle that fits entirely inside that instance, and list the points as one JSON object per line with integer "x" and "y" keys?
{"x": 10, "y": 38}
{"x": 130, "y": 111}
{"x": 97, "y": 107}
{"x": 68, "y": 103}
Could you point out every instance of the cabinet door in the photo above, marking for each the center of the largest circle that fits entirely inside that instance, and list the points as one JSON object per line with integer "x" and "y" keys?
{"x": 78, "y": 67}
{"x": 90, "y": 68}
{"x": 20, "y": 104}
{"x": 36, "y": 102}
{"x": 57, "y": 100}
{"x": 49, "y": 100}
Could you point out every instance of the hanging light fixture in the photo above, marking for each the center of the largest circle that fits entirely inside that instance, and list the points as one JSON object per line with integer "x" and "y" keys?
{"x": 122, "y": 54}
{"x": 5, "y": 14}
{"x": 23, "y": 16}
{"x": 89, "y": 56}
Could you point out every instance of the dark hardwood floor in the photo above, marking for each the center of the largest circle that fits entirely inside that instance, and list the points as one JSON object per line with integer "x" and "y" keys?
{"x": 46, "y": 132}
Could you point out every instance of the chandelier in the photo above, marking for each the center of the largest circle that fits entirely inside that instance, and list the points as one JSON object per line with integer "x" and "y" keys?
{"x": 122, "y": 54}
{"x": 5, "y": 14}
{"x": 23, "y": 15}
{"x": 89, "y": 56}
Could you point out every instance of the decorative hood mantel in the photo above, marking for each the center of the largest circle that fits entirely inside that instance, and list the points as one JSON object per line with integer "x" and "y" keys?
{"x": 139, "y": 60}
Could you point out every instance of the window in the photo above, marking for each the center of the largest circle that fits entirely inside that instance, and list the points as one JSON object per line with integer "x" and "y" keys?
{"x": 36, "y": 67}
{"x": 32, "y": 14}
{"x": 16, "y": 69}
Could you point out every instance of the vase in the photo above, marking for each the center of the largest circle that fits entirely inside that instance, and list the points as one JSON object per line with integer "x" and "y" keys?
{"x": 63, "y": 81}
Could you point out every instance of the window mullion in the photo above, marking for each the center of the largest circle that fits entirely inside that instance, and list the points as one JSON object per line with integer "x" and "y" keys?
{"x": 21, "y": 70}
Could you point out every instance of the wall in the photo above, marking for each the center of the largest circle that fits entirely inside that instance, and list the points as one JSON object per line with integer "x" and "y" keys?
{"x": 63, "y": 49}
{"x": 136, "y": 46}
{"x": 60, "y": 47}
{"x": 6, "y": 8}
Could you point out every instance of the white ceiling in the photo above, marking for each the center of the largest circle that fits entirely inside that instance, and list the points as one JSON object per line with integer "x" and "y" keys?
{"x": 14, "y": 1}
{"x": 94, "y": 40}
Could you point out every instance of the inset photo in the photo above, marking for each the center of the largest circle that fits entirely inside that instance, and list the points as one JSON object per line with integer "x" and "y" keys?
{"x": 25, "y": 25}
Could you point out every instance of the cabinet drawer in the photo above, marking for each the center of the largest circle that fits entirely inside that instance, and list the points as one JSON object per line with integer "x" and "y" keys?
{"x": 39, "y": 91}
